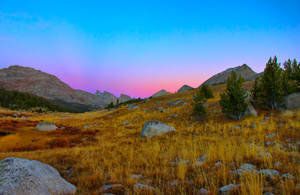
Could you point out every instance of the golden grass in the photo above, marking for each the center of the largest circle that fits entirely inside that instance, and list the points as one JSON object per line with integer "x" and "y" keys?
{"x": 108, "y": 152}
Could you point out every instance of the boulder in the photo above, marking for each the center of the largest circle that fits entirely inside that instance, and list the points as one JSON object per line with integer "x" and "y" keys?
{"x": 153, "y": 128}
{"x": 160, "y": 93}
{"x": 132, "y": 106}
{"x": 250, "y": 111}
{"x": 176, "y": 102}
{"x": 46, "y": 126}
{"x": 246, "y": 168}
{"x": 29, "y": 177}
{"x": 228, "y": 189}
{"x": 124, "y": 98}
{"x": 292, "y": 101}
{"x": 270, "y": 173}
{"x": 185, "y": 88}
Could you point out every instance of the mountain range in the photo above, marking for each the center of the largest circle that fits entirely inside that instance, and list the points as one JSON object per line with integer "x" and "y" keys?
{"x": 48, "y": 86}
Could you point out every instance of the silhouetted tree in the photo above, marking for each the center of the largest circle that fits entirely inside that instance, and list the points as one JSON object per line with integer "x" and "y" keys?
{"x": 206, "y": 91}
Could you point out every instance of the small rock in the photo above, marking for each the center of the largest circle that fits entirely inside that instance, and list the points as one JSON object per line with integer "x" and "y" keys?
{"x": 126, "y": 123}
{"x": 112, "y": 187}
{"x": 246, "y": 168}
{"x": 267, "y": 118}
{"x": 136, "y": 176}
{"x": 219, "y": 163}
{"x": 176, "y": 102}
{"x": 236, "y": 127}
{"x": 202, "y": 158}
{"x": 253, "y": 125}
{"x": 268, "y": 193}
{"x": 271, "y": 135}
{"x": 86, "y": 127}
{"x": 228, "y": 189}
{"x": 264, "y": 154}
{"x": 140, "y": 186}
{"x": 203, "y": 191}
{"x": 270, "y": 173}
{"x": 132, "y": 106}
{"x": 205, "y": 105}
{"x": 46, "y": 126}
{"x": 288, "y": 176}
{"x": 263, "y": 122}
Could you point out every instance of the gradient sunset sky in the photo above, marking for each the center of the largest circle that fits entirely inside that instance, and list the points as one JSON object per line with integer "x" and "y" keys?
{"x": 140, "y": 47}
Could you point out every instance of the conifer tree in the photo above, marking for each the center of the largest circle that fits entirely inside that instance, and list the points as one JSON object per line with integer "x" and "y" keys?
{"x": 272, "y": 85}
{"x": 206, "y": 91}
{"x": 233, "y": 99}
{"x": 199, "y": 111}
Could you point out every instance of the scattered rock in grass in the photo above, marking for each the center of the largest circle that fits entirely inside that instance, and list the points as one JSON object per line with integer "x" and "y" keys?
{"x": 136, "y": 176}
{"x": 266, "y": 117}
{"x": 219, "y": 163}
{"x": 132, "y": 106}
{"x": 268, "y": 143}
{"x": 253, "y": 125}
{"x": 140, "y": 186}
{"x": 23, "y": 176}
{"x": 203, "y": 191}
{"x": 246, "y": 168}
{"x": 112, "y": 188}
{"x": 86, "y": 127}
{"x": 200, "y": 161}
{"x": 46, "y": 126}
{"x": 176, "y": 102}
{"x": 288, "y": 113}
{"x": 126, "y": 123}
{"x": 288, "y": 176}
{"x": 236, "y": 127}
{"x": 271, "y": 135}
{"x": 263, "y": 122}
{"x": 268, "y": 193}
{"x": 228, "y": 189}
{"x": 264, "y": 154}
{"x": 205, "y": 105}
{"x": 159, "y": 109}
{"x": 270, "y": 173}
{"x": 153, "y": 128}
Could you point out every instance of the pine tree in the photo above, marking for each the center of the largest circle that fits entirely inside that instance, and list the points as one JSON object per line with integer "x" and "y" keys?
{"x": 206, "y": 91}
{"x": 233, "y": 99}
{"x": 272, "y": 85}
{"x": 199, "y": 111}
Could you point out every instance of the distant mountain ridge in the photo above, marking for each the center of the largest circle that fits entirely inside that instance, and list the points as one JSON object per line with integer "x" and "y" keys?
{"x": 244, "y": 70}
{"x": 48, "y": 86}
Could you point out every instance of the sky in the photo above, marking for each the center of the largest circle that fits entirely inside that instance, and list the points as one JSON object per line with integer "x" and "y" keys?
{"x": 140, "y": 47}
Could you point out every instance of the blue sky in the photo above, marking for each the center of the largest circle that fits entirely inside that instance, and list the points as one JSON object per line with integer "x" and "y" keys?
{"x": 139, "y": 47}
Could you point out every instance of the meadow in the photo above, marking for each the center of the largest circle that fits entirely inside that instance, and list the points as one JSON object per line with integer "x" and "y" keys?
{"x": 96, "y": 149}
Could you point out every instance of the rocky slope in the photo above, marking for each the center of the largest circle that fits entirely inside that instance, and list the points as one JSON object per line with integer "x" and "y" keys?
{"x": 48, "y": 86}
{"x": 245, "y": 71}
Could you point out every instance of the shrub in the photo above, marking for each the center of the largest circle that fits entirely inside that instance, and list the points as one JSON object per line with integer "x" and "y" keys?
{"x": 233, "y": 99}
{"x": 206, "y": 91}
{"x": 199, "y": 111}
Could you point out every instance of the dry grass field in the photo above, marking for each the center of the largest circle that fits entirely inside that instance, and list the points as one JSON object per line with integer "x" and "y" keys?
{"x": 95, "y": 149}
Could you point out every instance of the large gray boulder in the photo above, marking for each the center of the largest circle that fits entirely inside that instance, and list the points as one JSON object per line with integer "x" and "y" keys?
{"x": 185, "y": 88}
{"x": 46, "y": 126}
{"x": 29, "y": 177}
{"x": 153, "y": 128}
{"x": 292, "y": 101}
{"x": 124, "y": 98}
{"x": 160, "y": 93}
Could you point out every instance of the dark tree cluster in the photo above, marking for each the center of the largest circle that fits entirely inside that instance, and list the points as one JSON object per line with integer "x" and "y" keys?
{"x": 16, "y": 100}
{"x": 276, "y": 82}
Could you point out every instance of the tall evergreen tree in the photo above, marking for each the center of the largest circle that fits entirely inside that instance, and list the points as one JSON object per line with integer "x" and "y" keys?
{"x": 199, "y": 111}
{"x": 233, "y": 99}
{"x": 206, "y": 91}
{"x": 272, "y": 85}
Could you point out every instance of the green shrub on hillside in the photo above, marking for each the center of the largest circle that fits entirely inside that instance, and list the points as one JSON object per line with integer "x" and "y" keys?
{"x": 206, "y": 91}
